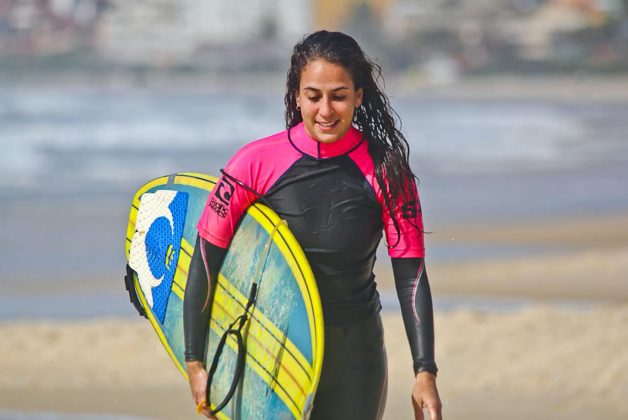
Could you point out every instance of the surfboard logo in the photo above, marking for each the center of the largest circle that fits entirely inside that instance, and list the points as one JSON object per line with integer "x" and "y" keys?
{"x": 156, "y": 245}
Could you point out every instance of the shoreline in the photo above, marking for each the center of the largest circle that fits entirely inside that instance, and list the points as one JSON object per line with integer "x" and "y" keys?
{"x": 590, "y": 265}
{"x": 581, "y": 250}
{"x": 574, "y": 86}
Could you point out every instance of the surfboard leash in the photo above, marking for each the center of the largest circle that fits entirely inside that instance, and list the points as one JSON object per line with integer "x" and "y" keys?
{"x": 237, "y": 332}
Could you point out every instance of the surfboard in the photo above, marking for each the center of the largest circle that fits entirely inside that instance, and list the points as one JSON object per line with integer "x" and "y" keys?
{"x": 283, "y": 336}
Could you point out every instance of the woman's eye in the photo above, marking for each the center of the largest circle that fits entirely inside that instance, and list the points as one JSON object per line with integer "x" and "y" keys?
{"x": 333, "y": 98}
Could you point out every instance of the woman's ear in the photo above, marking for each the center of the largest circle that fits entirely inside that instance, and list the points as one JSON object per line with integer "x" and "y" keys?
{"x": 359, "y": 96}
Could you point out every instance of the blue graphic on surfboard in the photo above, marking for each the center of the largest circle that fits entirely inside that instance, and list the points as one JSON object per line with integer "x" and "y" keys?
{"x": 156, "y": 244}
{"x": 284, "y": 334}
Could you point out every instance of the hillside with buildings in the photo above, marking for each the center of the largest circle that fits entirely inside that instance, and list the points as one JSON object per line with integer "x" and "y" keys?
{"x": 482, "y": 36}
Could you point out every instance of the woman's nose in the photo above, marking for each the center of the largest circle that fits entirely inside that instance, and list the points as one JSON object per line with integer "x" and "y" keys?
{"x": 326, "y": 109}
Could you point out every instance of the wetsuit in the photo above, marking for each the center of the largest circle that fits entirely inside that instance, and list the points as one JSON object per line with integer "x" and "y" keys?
{"x": 329, "y": 195}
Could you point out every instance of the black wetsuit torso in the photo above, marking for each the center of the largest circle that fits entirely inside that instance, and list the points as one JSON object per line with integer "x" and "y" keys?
{"x": 332, "y": 211}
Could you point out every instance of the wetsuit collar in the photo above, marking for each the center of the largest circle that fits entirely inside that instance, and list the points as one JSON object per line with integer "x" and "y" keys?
{"x": 302, "y": 141}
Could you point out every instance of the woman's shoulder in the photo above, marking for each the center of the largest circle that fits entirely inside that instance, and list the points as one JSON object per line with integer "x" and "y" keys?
{"x": 261, "y": 148}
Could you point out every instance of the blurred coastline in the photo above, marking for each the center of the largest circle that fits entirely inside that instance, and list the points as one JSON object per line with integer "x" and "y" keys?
{"x": 577, "y": 85}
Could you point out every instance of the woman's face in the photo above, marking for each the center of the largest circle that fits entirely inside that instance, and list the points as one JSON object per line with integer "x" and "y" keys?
{"x": 327, "y": 98}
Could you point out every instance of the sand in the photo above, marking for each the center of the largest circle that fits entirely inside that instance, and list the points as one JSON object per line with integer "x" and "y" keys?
{"x": 590, "y": 261}
{"x": 542, "y": 362}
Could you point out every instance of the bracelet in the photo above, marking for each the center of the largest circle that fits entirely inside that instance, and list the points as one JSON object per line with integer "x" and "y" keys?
{"x": 199, "y": 407}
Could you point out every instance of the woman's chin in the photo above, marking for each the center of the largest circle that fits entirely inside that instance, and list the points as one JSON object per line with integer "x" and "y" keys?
{"x": 327, "y": 138}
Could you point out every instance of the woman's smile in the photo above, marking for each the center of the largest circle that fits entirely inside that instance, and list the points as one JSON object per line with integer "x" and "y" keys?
{"x": 326, "y": 126}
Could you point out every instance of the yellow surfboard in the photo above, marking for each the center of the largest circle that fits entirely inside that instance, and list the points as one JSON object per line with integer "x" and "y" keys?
{"x": 283, "y": 336}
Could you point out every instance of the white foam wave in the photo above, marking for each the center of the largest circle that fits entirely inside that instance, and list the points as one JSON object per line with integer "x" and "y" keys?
{"x": 55, "y": 135}
{"x": 493, "y": 139}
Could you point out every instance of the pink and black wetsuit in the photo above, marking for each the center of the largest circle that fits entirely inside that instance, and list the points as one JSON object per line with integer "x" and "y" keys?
{"x": 329, "y": 195}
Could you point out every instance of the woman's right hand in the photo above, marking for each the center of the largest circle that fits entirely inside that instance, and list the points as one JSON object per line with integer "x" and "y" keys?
{"x": 197, "y": 376}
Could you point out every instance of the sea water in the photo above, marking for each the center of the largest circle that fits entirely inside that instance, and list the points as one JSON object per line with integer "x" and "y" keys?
{"x": 88, "y": 141}
{"x": 71, "y": 159}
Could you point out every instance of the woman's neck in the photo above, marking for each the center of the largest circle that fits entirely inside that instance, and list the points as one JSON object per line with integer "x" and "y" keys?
{"x": 308, "y": 145}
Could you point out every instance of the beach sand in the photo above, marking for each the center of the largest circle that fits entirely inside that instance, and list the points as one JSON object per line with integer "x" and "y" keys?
{"x": 543, "y": 361}
{"x": 590, "y": 260}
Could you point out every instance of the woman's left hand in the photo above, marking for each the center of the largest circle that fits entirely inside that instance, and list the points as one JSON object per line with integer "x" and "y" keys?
{"x": 425, "y": 396}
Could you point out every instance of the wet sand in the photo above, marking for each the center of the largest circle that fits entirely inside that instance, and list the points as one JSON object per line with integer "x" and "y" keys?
{"x": 590, "y": 261}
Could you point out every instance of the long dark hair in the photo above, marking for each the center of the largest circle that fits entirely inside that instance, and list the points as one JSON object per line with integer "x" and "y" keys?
{"x": 375, "y": 117}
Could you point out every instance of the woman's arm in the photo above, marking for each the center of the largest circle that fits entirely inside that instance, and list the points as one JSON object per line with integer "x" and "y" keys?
{"x": 207, "y": 258}
{"x": 415, "y": 298}
{"x": 196, "y": 303}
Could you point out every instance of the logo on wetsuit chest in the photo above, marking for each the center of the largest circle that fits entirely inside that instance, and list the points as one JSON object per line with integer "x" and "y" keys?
{"x": 220, "y": 202}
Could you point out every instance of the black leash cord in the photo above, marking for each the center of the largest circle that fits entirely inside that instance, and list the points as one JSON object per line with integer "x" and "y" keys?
{"x": 239, "y": 369}
{"x": 237, "y": 332}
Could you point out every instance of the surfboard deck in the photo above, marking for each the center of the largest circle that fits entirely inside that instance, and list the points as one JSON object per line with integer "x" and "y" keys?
{"x": 284, "y": 334}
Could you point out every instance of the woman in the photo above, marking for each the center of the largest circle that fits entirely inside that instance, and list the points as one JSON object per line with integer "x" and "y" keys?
{"x": 340, "y": 176}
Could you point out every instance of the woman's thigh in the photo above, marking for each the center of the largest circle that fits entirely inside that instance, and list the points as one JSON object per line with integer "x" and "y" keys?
{"x": 354, "y": 379}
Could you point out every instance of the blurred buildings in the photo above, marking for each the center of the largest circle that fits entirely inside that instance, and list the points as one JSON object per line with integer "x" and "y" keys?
{"x": 478, "y": 35}
{"x": 32, "y": 27}
{"x": 167, "y": 33}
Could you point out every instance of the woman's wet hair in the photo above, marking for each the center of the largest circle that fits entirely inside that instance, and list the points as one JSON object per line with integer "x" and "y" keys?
{"x": 375, "y": 117}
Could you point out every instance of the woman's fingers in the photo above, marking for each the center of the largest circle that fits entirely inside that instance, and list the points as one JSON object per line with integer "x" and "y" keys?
{"x": 197, "y": 376}
{"x": 425, "y": 396}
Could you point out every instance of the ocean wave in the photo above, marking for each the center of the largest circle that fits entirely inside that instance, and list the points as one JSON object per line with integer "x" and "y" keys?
{"x": 80, "y": 140}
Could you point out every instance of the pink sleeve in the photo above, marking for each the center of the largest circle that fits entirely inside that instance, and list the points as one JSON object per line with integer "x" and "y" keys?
{"x": 408, "y": 242}
{"x": 227, "y": 202}
{"x": 257, "y": 165}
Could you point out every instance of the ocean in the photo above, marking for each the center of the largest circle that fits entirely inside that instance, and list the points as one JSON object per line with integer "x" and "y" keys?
{"x": 71, "y": 159}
